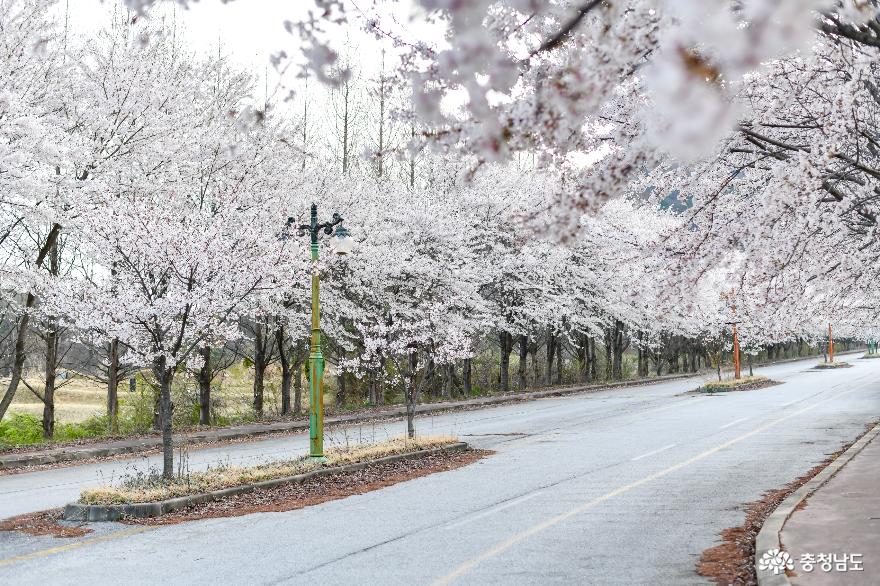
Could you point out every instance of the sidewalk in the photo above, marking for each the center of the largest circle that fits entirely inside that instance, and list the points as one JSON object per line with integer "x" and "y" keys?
{"x": 840, "y": 519}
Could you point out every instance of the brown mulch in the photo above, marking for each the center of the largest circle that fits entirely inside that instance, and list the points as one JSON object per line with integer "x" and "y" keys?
{"x": 732, "y": 561}
{"x": 321, "y": 489}
{"x": 43, "y": 523}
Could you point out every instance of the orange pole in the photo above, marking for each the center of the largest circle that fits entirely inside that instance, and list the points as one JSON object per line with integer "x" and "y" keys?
{"x": 830, "y": 345}
{"x": 736, "y": 366}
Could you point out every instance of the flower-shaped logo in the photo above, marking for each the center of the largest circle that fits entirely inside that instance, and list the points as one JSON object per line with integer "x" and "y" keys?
{"x": 776, "y": 560}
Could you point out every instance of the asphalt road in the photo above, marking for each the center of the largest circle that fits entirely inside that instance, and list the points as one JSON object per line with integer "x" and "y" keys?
{"x": 625, "y": 486}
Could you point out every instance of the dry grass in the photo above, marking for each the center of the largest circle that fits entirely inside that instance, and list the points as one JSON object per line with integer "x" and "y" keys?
{"x": 824, "y": 365}
{"x": 149, "y": 488}
{"x": 81, "y": 398}
{"x": 733, "y": 384}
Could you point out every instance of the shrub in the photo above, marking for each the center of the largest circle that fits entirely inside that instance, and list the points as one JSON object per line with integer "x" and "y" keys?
{"x": 136, "y": 411}
{"x": 94, "y": 426}
{"x": 21, "y": 429}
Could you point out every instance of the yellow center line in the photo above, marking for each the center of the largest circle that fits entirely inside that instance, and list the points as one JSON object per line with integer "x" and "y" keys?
{"x": 518, "y": 537}
{"x": 76, "y": 544}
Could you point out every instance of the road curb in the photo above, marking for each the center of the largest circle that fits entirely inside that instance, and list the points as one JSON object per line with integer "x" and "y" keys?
{"x": 99, "y": 513}
{"x": 769, "y": 536}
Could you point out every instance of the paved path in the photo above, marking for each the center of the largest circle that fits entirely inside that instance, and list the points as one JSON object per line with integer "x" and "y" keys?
{"x": 625, "y": 486}
{"x": 841, "y": 518}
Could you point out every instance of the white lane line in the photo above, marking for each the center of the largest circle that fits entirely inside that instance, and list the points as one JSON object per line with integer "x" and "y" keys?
{"x": 734, "y": 422}
{"x": 789, "y": 403}
{"x": 657, "y": 451}
{"x": 495, "y": 510}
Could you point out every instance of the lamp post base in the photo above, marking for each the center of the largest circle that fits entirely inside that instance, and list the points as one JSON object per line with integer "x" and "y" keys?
{"x": 321, "y": 459}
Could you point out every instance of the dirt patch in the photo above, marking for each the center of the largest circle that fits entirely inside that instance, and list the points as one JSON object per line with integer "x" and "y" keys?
{"x": 43, "y": 523}
{"x": 732, "y": 562}
{"x": 321, "y": 489}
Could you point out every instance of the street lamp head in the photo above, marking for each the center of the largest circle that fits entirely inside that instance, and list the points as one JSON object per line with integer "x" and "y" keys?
{"x": 342, "y": 243}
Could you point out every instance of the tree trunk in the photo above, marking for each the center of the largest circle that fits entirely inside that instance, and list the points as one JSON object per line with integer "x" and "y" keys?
{"x": 592, "y": 343}
{"x": 551, "y": 353}
{"x": 340, "y": 388}
{"x": 583, "y": 358}
{"x": 113, "y": 387}
{"x": 49, "y": 388}
{"x": 609, "y": 353}
{"x": 409, "y": 391}
{"x": 448, "y": 380}
{"x": 619, "y": 349}
{"x": 205, "y": 387}
{"x": 19, "y": 357}
{"x": 259, "y": 369}
{"x": 297, "y": 383}
{"x": 536, "y": 369}
{"x": 19, "y": 354}
{"x": 523, "y": 359}
{"x": 52, "y": 339}
{"x": 466, "y": 377}
{"x": 643, "y": 365}
{"x": 559, "y": 359}
{"x": 164, "y": 375}
{"x": 286, "y": 372}
{"x": 506, "y": 343}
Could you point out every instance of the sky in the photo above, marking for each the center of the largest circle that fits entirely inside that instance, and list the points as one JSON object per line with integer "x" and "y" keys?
{"x": 248, "y": 31}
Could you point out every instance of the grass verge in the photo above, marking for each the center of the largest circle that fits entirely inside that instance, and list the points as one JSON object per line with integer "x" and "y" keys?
{"x": 151, "y": 487}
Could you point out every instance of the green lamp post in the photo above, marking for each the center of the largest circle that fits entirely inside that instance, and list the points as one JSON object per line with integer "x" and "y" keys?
{"x": 342, "y": 244}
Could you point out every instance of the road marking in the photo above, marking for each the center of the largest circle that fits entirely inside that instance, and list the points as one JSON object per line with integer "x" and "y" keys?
{"x": 734, "y": 422}
{"x": 77, "y": 544}
{"x": 543, "y": 526}
{"x": 784, "y": 405}
{"x": 494, "y": 510}
{"x": 657, "y": 451}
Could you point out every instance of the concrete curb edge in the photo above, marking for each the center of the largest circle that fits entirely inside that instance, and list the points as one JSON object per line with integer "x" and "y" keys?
{"x": 96, "y": 513}
{"x": 769, "y": 536}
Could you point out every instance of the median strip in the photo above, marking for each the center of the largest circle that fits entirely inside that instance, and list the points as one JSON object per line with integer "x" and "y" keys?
{"x": 149, "y": 496}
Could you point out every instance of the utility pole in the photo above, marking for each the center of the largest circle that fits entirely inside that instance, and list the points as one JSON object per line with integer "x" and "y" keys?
{"x": 830, "y": 344}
